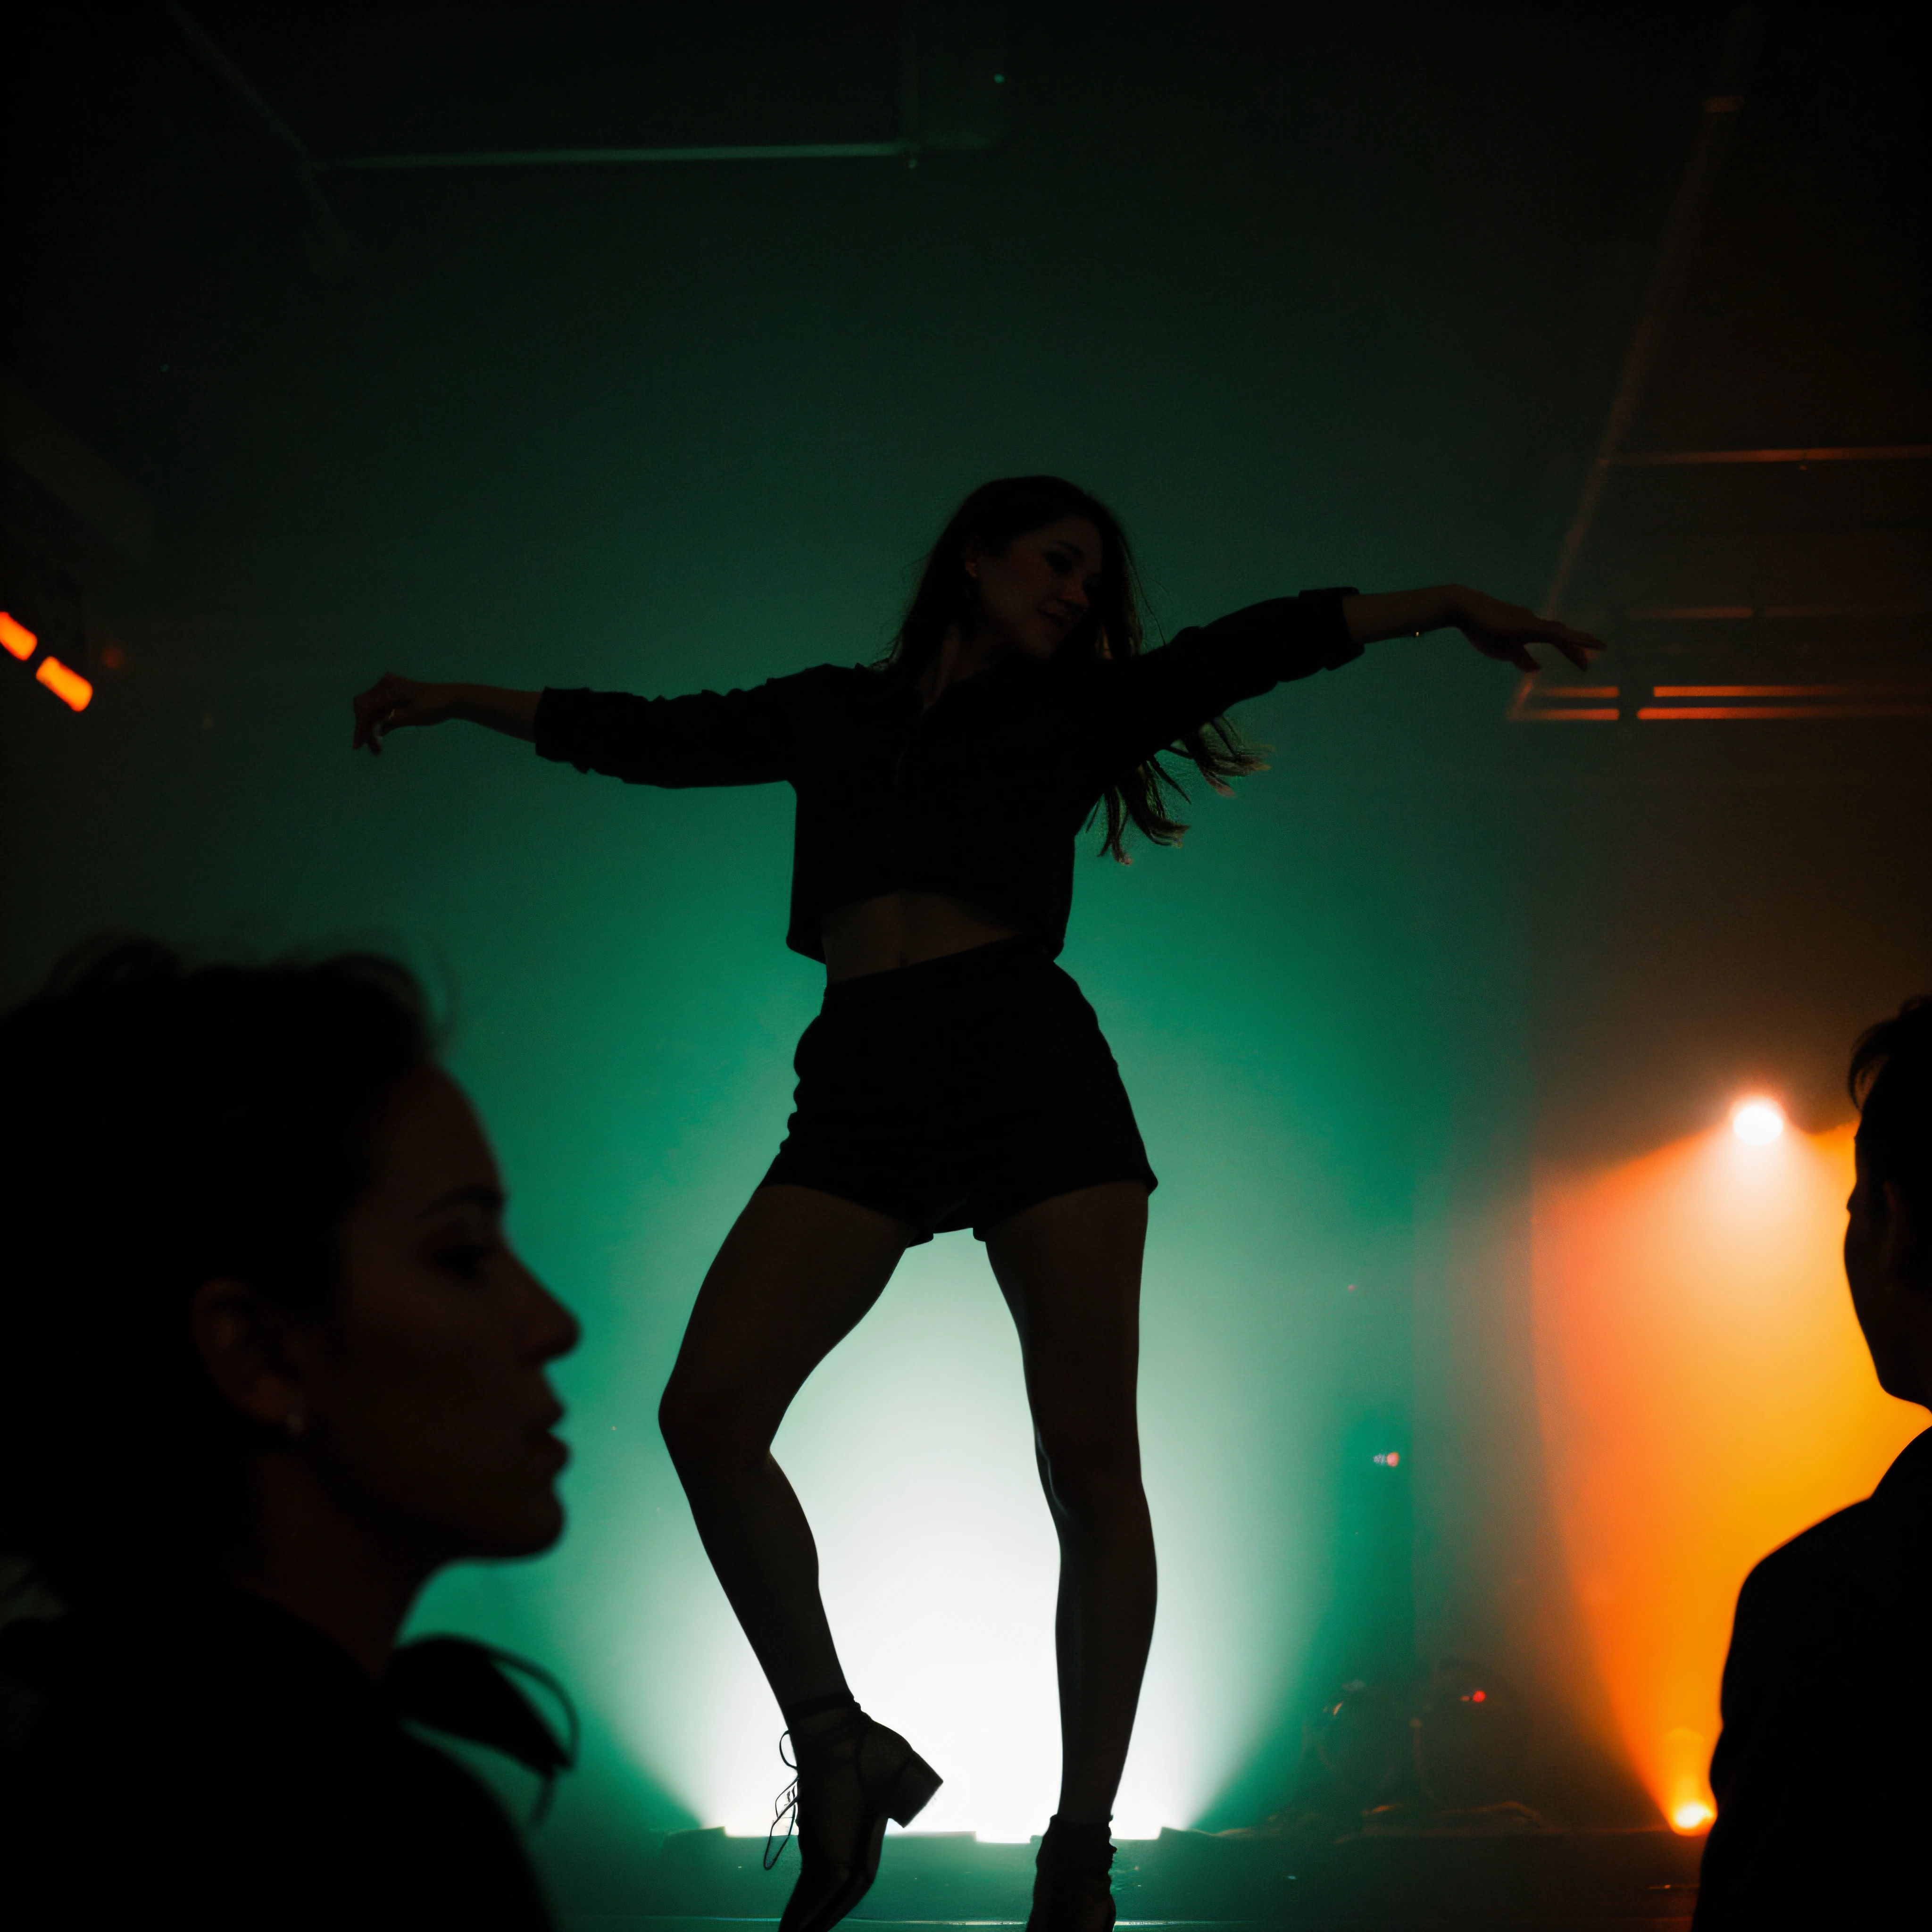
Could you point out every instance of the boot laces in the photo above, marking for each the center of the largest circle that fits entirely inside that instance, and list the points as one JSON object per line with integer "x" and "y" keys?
{"x": 784, "y": 1807}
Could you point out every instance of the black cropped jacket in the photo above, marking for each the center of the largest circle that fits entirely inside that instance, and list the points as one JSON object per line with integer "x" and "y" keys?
{"x": 982, "y": 794}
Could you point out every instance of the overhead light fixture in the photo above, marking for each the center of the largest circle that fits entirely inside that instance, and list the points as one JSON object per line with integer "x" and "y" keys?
{"x": 1757, "y": 1122}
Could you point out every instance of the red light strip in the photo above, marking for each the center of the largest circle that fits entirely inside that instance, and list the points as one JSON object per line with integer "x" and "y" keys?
{"x": 1658, "y": 712}
{"x": 69, "y": 686}
{"x": 1848, "y": 692}
{"x": 1841, "y": 701}
{"x": 1692, "y": 613}
{"x": 1889, "y": 452}
{"x": 1738, "y": 613}
{"x": 16, "y": 638}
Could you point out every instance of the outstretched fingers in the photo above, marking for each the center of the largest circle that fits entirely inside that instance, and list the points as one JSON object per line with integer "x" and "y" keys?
{"x": 1506, "y": 631}
{"x": 376, "y": 710}
{"x": 1575, "y": 645}
{"x": 370, "y": 706}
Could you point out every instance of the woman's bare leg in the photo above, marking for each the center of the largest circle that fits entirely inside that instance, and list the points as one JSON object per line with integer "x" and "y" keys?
{"x": 797, "y": 1273}
{"x": 1070, "y": 1270}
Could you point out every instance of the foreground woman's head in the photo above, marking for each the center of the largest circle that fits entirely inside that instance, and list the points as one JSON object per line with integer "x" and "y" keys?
{"x": 255, "y": 1288}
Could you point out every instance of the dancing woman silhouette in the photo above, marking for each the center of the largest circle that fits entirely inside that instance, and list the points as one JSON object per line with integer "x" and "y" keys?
{"x": 955, "y": 1078}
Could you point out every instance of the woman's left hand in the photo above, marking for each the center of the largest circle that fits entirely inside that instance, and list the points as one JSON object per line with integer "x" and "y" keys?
{"x": 1505, "y": 631}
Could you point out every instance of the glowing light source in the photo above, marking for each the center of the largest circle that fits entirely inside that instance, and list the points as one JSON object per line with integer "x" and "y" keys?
{"x": 1691, "y": 1316}
{"x": 913, "y": 1449}
{"x": 1757, "y": 1122}
{"x": 69, "y": 686}
{"x": 16, "y": 638}
{"x": 1387, "y": 1459}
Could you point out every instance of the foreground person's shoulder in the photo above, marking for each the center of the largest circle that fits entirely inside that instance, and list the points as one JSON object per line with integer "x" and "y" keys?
{"x": 451, "y": 1854}
{"x": 1894, "y": 1522}
{"x": 1828, "y": 1577}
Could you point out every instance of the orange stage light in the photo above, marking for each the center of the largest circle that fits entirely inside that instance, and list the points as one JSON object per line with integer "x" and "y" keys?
{"x": 69, "y": 686}
{"x": 1704, "y": 1395}
{"x": 15, "y": 637}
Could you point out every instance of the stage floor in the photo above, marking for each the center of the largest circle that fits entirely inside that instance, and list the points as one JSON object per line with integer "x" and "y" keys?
{"x": 635, "y": 1922}
{"x": 1541, "y": 1880}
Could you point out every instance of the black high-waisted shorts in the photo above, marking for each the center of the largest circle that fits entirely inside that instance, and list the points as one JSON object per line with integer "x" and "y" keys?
{"x": 955, "y": 1093}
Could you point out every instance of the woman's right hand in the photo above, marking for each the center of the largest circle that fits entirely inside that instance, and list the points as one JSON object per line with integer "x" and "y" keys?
{"x": 392, "y": 702}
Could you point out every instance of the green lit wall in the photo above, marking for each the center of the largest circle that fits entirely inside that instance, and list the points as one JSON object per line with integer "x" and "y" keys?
{"x": 658, "y": 429}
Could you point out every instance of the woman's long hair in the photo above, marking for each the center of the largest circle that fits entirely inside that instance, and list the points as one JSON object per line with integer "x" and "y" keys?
{"x": 993, "y": 516}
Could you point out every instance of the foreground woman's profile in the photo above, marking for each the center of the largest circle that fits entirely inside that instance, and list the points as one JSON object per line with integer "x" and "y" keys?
{"x": 269, "y": 1365}
{"x": 955, "y": 1079}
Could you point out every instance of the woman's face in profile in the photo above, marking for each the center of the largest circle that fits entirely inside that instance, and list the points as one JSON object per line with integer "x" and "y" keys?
{"x": 431, "y": 1410}
{"x": 1035, "y": 593}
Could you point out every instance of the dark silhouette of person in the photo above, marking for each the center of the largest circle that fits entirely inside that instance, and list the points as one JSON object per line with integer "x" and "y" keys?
{"x": 269, "y": 1364}
{"x": 1823, "y": 1771}
{"x": 955, "y": 1078}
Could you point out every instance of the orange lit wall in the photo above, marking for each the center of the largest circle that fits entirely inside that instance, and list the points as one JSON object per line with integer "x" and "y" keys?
{"x": 1705, "y": 1394}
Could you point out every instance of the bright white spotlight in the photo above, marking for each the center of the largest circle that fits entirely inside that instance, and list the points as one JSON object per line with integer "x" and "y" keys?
{"x": 1757, "y": 1123}
{"x": 1692, "y": 1817}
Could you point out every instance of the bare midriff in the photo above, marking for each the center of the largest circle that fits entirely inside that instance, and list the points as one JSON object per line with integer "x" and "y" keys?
{"x": 905, "y": 928}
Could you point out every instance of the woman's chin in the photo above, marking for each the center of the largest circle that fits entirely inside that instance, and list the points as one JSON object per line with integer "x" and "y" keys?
{"x": 527, "y": 1528}
{"x": 546, "y": 1525}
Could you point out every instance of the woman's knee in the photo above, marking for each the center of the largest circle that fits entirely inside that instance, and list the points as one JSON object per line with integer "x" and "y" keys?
{"x": 1092, "y": 1473}
{"x": 708, "y": 1431}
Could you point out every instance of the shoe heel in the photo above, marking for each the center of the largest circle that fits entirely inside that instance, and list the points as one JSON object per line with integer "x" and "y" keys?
{"x": 912, "y": 1790}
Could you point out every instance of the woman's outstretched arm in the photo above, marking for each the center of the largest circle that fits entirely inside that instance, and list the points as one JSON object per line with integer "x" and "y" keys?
{"x": 392, "y": 702}
{"x": 1497, "y": 629}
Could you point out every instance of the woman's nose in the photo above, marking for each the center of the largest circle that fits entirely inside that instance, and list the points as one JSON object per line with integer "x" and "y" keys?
{"x": 553, "y": 1330}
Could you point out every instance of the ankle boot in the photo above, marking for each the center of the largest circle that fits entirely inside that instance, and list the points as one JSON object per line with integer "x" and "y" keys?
{"x": 1073, "y": 1891}
{"x": 851, "y": 1778}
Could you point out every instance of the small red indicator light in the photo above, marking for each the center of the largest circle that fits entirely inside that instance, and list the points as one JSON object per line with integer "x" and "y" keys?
{"x": 16, "y": 637}
{"x": 1478, "y": 1696}
{"x": 69, "y": 686}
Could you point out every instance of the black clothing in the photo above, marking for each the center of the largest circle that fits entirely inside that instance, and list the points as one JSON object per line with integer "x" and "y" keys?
{"x": 956, "y": 1092}
{"x": 1823, "y": 1774}
{"x": 218, "y": 1763}
{"x": 981, "y": 795}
